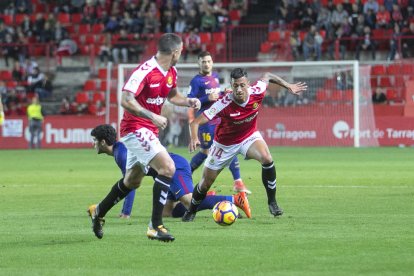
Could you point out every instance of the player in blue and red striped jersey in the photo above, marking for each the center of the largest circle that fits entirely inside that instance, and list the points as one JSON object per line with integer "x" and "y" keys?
{"x": 181, "y": 188}
{"x": 205, "y": 86}
{"x": 237, "y": 134}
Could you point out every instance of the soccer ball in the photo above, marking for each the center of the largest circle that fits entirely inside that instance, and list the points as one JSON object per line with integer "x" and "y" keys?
{"x": 225, "y": 213}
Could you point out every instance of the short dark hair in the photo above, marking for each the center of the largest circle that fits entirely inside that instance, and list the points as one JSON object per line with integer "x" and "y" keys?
{"x": 204, "y": 54}
{"x": 168, "y": 43}
{"x": 105, "y": 132}
{"x": 238, "y": 73}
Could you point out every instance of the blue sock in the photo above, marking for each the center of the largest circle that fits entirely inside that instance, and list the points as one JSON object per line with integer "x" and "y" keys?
{"x": 211, "y": 200}
{"x": 197, "y": 160}
{"x": 235, "y": 168}
{"x": 178, "y": 210}
{"x": 128, "y": 202}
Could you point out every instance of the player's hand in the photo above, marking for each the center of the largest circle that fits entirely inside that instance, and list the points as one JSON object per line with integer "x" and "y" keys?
{"x": 194, "y": 143}
{"x": 213, "y": 97}
{"x": 297, "y": 88}
{"x": 160, "y": 121}
{"x": 194, "y": 103}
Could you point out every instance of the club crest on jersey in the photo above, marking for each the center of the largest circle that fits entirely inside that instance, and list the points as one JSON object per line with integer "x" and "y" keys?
{"x": 212, "y": 111}
{"x": 255, "y": 106}
{"x": 211, "y": 162}
{"x": 169, "y": 82}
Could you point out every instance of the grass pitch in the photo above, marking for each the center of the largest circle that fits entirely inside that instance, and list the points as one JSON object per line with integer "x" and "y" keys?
{"x": 347, "y": 211}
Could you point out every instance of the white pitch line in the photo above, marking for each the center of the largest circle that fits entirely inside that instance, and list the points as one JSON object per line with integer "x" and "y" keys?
{"x": 352, "y": 186}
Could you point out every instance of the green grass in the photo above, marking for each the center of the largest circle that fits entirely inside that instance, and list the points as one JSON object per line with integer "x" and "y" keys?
{"x": 347, "y": 211}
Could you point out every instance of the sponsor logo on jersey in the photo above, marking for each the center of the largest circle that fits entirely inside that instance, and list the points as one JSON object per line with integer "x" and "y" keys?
{"x": 255, "y": 106}
{"x": 157, "y": 101}
{"x": 234, "y": 114}
{"x": 248, "y": 119}
{"x": 169, "y": 82}
{"x": 152, "y": 85}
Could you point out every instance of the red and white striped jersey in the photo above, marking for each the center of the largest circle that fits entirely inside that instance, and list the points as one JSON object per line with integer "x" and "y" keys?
{"x": 237, "y": 121}
{"x": 150, "y": 85}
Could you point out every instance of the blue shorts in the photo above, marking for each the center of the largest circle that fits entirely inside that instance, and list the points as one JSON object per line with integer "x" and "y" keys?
{"x": 181, "y": 184}
{"x": 206, "y": 135}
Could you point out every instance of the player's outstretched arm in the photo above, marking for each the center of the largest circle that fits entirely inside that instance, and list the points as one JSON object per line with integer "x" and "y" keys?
{"x": 130, "y": 104}
{"x": 178, "y": 99}
{"x": 194, "y": 125}
{"x": 294, "y": 88}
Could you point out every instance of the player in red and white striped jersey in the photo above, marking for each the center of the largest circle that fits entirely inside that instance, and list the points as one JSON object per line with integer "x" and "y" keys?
{"x": 237, "y": 133}
{"x": 144, "y": 94}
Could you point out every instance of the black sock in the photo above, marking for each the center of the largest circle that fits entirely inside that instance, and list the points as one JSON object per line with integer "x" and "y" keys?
{"x": 159, "y": 198}
{"x": 117, "y": 193}
{"x": 178, "y": 210}
{"x": 198, "y": 197}
{"x": 269, "y": 181}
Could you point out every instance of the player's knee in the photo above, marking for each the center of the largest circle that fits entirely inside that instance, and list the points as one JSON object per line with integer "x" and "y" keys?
{"x": 266, "y": 158}
{"x": 168, "y": 170}
{"x": 132, "y": 183}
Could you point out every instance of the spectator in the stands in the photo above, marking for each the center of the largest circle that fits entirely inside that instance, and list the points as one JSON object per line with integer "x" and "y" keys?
{"x": 180, "y": 21}
{"x": 112, "y": 26}
{"x": 408, "y": 42}
{"x": 27, "y": 26}
{"x": 339, "y": 36}
{"x": 105, "y": 50}
{"x": 383, "y": 18}
{"x": 371, "y": 5}
{"x": 35, "y": 79}
{"x": 44, "y": 89}
{"x": 208, "y": 22}
{"x": 379, "y": 97}
{"x": 46, "y": 34}
{"x": 312, "y": 45}
{"x": 396, "y": 15}
{"x": 10, "y": 50}
{"x": 151, "y": 21}
{"x": 126, "y": 49}
{"x": 168, "y": 16}
{"x": 339, "y": 16}
{"x": 38, "y": 25}
{"x": 59, "y": 33}
{"x": 295, "y": 44}
{"x": 67, "y": 107}
{"x": 67, "y": 47}
{"x": 370, "y": 19}
{"x": 193, "y": 19}
{"x": 241, "y": 5}
{"x": 18, "y": 72}
{"x": 323, "y": 20}
{"x": 192, "y": 44}
{"x": 308, "y": 18}
{"x": 394, "y": 42}
{"x": 29, "y": 65}
{"x": 366, "y": 43}
{"x": 23, "y": 6}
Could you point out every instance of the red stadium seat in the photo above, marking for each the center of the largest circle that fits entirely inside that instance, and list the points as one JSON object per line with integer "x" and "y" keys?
{"x": 273, "y": 36}
{"x": 6, "y": 75}
{"x": 84, "y": 50}
{"x": 64, "y": 18}
{"x": 90, "y": 85}
{"x": 336, "y": 96}
{"x": 407, "y": 69}
{"x": 235, "y": 16}
{"x": 89, "y": 39}
{"x": 103, "y": 85}
{"x": 98, "y": 28}
{"x": 385, "y": 82}
{"x": 391, "y": 94}
{"x": 98, "y": 96}
{"x": 321, "y": 95}
{"x": 205, "y": 38}
{"x": 378, "y": 70}
{"x": 219, "y": 38}
{"x": 102, "y": 73}
{"x": 82, "y": 97}
{"x": 394, "y": 69}
{"x": 18, "y": 18}
{"x": 7, "y": 19}
{"x": 374, "y": 81}
{"x": 265, "y": 47}
{"x": 76, "y": 18}
{"x": 84, "y": 29}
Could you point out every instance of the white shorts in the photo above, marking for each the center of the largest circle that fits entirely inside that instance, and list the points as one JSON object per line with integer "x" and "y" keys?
{"x": 220, "y": 155}
{"x": 142, "y": 147}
